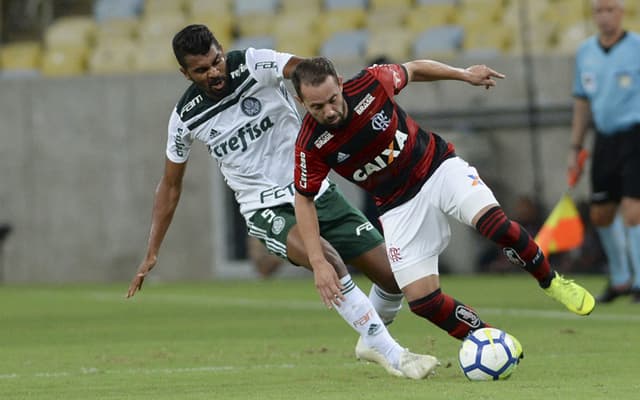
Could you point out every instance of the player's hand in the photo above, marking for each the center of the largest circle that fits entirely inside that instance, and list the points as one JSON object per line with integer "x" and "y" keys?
{"x": 481, "y": 75}
{"x": 328, "y": 284}
{"x": 136, "y": 283}
{"x": 575, "y": 165}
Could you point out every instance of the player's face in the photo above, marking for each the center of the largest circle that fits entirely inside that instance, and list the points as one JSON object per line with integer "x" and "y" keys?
{"x": 608, "y": 16}
{"x": 208, "y": 72}
{"x": 325, "y": 102}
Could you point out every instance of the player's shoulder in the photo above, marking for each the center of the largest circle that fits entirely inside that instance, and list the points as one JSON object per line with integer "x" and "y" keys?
{"x": 191, "y": 103}
{"x": 376, "y": 72}
{"x": 361, "y": 80}
{"x": 236, "y": 58}
{"x": 308, "y": 130}
{"x": 634, "y": 37}
{"x": 362, "y": 74}
{"x": 237, "y": 66}
{"x": 588, "y": 45}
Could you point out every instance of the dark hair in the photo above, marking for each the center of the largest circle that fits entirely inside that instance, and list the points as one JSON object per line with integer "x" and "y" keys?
{"x": 312, "y": 71}
{"x": 193, "y": 39}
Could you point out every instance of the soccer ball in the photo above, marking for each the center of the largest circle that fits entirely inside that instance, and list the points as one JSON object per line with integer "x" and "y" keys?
{"x": 489, "y": 354}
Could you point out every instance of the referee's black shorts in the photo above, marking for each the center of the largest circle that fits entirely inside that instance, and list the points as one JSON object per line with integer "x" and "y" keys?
{"x": 615, "y": 166}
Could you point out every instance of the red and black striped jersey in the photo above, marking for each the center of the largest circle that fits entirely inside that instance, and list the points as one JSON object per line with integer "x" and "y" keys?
{"x": 379, "y": 147}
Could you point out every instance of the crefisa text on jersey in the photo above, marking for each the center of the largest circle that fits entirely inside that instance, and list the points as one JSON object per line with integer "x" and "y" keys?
{"x": 239, "y": 142}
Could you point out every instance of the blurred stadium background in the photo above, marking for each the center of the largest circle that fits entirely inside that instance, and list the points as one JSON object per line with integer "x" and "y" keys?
{"x": 86, "y": 88}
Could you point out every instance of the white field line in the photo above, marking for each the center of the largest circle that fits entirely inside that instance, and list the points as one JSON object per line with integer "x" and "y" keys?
{"x": 316, "y": 305}
{"x": 150, "y": 371}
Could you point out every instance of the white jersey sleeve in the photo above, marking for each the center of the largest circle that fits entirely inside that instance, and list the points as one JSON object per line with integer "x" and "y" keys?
{"x": 261, "y": 63}
{"x": 179, "y": 139}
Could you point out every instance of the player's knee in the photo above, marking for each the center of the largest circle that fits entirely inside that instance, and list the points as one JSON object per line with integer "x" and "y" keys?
{"x": 389, "y": 285}
{"x": 630, "y": 211}
{"x": 602, "y": 216}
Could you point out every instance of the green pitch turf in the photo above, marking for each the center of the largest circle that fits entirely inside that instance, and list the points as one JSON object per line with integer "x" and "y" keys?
{"x": 274, "y": 340}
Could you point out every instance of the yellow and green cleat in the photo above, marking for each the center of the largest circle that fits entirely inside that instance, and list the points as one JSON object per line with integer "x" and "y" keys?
{"x": 576, "y": 298}
{"x": 519, "y": 354}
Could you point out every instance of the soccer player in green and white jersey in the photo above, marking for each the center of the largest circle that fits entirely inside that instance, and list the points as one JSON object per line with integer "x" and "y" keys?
{"x": 239, "y": 108}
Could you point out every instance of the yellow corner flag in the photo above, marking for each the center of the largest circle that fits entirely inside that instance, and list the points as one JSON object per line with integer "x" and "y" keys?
{"x": 563, "y": 230}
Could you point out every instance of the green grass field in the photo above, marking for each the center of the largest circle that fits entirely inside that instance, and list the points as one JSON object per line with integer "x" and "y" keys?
{"x": 274, "y": 340}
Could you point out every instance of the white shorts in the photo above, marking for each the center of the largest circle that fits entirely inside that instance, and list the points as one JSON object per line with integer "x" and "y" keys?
{"x": 417, "y": 231}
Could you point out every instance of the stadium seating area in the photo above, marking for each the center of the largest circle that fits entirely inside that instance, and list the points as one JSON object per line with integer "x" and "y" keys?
{"x": 125, "y": 36}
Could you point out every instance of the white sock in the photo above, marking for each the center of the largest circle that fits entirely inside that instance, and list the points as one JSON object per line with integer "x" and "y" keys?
{"x": 359, "y": 313}
{"x": 386, "y": 304}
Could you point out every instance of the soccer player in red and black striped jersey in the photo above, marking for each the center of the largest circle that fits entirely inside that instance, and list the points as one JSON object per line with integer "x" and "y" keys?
{"x": 237, "y": 105}
{"x": 357, "y": 129}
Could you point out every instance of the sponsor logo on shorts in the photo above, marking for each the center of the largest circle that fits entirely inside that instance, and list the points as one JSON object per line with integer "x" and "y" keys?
{"x": 251, "y": 106}
{"x": 367, "y": 226}
{"x": 475, "y": 180}
{"x": 394, "y": 254}
{"x": 513, "y": 257}
{"x": 468, "y": 316}
{"x": 278, "y": 225}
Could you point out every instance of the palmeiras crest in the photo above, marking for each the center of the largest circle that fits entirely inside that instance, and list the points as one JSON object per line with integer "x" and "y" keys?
{"x": 251, "y": 106}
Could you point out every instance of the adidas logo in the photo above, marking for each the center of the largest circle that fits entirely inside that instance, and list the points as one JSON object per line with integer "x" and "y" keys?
{"x": 373, "y": 329}
{"x": 342, "y": 156}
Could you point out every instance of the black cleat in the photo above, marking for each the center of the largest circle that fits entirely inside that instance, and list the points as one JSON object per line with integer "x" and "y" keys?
{"x": 610, "y": 294}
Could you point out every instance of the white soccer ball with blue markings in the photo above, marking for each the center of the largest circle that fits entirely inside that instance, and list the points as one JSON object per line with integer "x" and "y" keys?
{"x": 489, "y": 354}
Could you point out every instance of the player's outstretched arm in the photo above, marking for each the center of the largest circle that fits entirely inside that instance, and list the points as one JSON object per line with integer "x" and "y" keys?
{"x": 429, "y": 70}
{"x": 326, "y": 279}
{"x": 164, "y": 205}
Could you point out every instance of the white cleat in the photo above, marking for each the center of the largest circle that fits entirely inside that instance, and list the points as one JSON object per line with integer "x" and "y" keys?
{"x": 411, "y": 365}
{"x": 417, "y": 366}
{"x": 366, "y": 353}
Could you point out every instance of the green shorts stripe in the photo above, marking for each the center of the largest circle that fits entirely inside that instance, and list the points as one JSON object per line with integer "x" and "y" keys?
{"x": 342, "y": 225}
{"x": 273, "y": 245}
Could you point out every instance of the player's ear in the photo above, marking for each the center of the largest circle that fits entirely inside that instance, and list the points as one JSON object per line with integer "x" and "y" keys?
{"x": 298, "y": 99}
{"x": 184, "y": 73}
